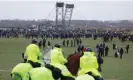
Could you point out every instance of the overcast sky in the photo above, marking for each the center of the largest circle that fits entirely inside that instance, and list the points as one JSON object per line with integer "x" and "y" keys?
{"x": 84, "y": 10}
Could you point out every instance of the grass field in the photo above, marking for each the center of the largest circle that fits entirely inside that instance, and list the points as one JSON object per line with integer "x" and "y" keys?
{"x": 113, "y": 69}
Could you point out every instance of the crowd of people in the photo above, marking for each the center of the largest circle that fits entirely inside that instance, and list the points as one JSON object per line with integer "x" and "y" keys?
{"x": 90, "y": 62}
{"x": 35, "y": 68}
{"x": 67, "y": 33}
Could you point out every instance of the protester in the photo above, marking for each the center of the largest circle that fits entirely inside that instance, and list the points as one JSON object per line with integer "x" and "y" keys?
{"x": 121, "y": 53}
{"x": 67, "y": 42}
{"x": 40, "y": 44}
{"x": 116, "y": 52}
{"x": 100, "y": 62}
{"x": 44, "y": 43}
{"x": 106, "y": 50}
{"x": 127, "y": 48}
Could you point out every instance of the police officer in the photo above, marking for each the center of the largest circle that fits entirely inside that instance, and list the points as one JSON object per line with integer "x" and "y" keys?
{"x": 58, "y": 60}
{"x": 89, "y": 65}
{"x": 56, "y": 55}
{"x": 40, "y": 73}
{"x": 33, "y": 54}
{"x": 19, "y": 71}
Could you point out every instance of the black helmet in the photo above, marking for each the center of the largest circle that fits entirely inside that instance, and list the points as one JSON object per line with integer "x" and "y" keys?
{"x": 34, "y": 41}
{"x": 58, "y": 45}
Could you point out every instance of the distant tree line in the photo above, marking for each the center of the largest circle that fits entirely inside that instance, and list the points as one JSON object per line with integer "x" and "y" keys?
{"x": 75, "y": 23}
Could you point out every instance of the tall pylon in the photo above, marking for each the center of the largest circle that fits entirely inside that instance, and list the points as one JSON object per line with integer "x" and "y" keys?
{"x": 68, "y": 15}
{"x": 59, "y": 14}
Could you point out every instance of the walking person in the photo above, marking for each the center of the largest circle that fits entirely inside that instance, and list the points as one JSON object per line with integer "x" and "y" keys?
{"x": 106, "y": 50}
{"x": 63, "y": 43}
{"x": 127, "y": 48}
{"x": 67, "y": 43}
{"x": 116, "y": 51}
{"x": 100, "y": 62}
{"x": 44, "y": 43}
{"x": 74, "y": 41}
{"x": 49, "y": 44}
{"x": 97, "y": 49}
{"x": 71, "y": 43}
{"x": 114, "y": 45}
{"x": 40, "y": 44}
{"x": 121, "y": 53}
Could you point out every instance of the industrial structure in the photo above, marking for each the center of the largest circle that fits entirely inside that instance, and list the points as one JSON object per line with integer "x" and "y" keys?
{"x": 63, "y": 18}
{"x": 68, "y": 14}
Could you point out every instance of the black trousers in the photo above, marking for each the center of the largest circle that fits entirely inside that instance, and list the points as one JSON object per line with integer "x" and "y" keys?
{"x": 127, "y": 51}
{"x": 106, "y": 53}
{"x": 121, "y": 55}
{"x": 34, "y": 64}
{"x": 99, "y": 68}
{"x": 25, "y": 60}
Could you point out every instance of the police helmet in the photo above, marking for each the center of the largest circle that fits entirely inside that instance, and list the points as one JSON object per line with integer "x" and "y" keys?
{"x": 88, "y": 50}
{"x": 58, "y": 45}
{"x": 34, "y": 41}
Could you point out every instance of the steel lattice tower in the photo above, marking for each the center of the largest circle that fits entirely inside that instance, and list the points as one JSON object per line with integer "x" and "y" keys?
{"x": 68, "y": 15}
{"x": 59, "y": 14}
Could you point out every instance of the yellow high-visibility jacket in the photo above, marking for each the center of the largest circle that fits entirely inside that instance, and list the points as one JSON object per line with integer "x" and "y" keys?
{"x": 56, "y": 56}
{"x": 64, "y": 70}
{"x": 40, "y": 73}
{"x": 33, "y": 53}
{"x": 21, "y": 69}
{"x": 88, "y": 63}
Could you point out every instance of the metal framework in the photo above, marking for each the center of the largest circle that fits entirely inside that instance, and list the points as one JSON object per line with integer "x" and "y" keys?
{"x": 59, "y": 14}
{"x": 68, "y": 14}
